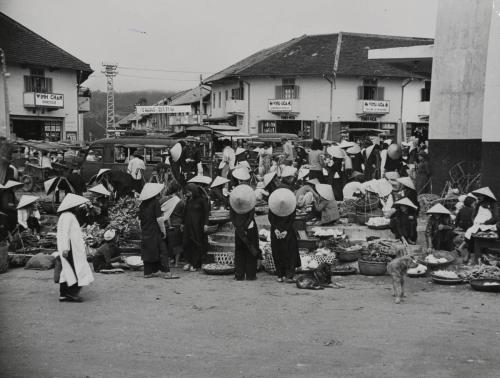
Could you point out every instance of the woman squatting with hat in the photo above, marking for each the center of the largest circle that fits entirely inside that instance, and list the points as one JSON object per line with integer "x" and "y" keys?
{"x": 284, "y": 244}
{"x": 246, "y": 251}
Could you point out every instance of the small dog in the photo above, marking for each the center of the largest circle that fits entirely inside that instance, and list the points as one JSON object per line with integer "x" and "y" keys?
{"x": 397, "y": 269}
{"x": 321, "y": 278}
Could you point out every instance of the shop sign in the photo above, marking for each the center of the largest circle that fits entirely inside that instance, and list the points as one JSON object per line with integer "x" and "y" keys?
{"x": 49, "y": 100}
{"x": 287, "y": 116}
{"x": 163, "y": 109}
{"x": 375, "y": 107}
{"x": 369, "y": 118}
{"x": 280, "y": 105}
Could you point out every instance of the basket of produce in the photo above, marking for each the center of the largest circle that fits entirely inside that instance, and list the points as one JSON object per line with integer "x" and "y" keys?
{"x": 218, "y": 269}
{"x": 373, "y": 264}
{"x": 134, "y": 262}
{"x": 307, "y": 262}
{"x": 367, "y": 204}
{"x": 488, "y": 285}
{"x": 419, "y": 271}
{"x": 326, "y": 233}
{"x": 224, "y": 258}
{"x": 438, "y": 259}
{"x": 362, "y": 218}
{"x": 324, "y": 255}
{"x": 378, "y": 223}
{"x": 484, "y": 272}
{"x": 212, "y": 229}
{"x": 349, "y": 254}
{"x": 447, "y": 277}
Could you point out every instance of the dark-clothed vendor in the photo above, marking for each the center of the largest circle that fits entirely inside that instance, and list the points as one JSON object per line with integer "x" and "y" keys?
{"x": 100, "y": 202}
{"x": 439, "y": 233}
{"x": 325, "y": 205}
{"x": 217, "y": 193}
{"x": 404, "y": 221}
{"x": 271, "y": 182}
{"x": 108, "y": 253}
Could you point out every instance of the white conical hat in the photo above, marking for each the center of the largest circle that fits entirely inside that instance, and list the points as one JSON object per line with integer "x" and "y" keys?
{"x": 288, "y": 171}
{"x": 406, "y": 181}
{"x": 370, "y": 186}
{"x": 176, "y": 151}
{"x": 242, "y": 199}
{"x": 486, "y": 191}
{"x": 102, "y": 171}
{"x": 241, "y": 173}
{"x": 150, "y": 190}
{"x": 346, "y": 144}
{"x": 350, "y": 188}
{"x": 394, "y": 151}
{"x": 355, "y": 149}
{"x": 239, "y": 150}
{"x": 336, "y": 152}
{"x": 438, "y": 209}
{"x": 12, "y": 184}
{"x": 100, "y": 189}
{"x": 50, "y": 184}
{"x": 201, "y": 180}
{"x": 219, "y": 181}
{"x": 384, "y": 188}
{"x": 282, "y": 202}
{"x": 405, "y": 201}
{"x": 268, "y": 177}
{"x": 391, "y": 175}
{"x": 313, "y": 181}
{"x": 71, "y": 200}
{"x": 303, "y": 172}
{"x": 388, "y": 142}
{"x": 325, "y": 191}
{"x": 26, "y": 200}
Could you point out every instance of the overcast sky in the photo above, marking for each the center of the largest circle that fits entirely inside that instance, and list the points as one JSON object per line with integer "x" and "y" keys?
{"x": 201, "y": 36}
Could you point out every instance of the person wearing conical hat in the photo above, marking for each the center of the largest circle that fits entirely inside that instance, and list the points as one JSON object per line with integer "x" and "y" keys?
{"x": 136, "y": 168}
{"x": 28, "y": 216}
{"x": 271, "y": 182}
{"x": 325, "y": 205}
{"x": 100, "y": 201}
{"x": 153, "y": 247}
{"x": 108, "y": 253}
{"x": 354, "y": 152}
{"x": 284, "y": 245}
{"x": 316, "y": 161}
{"x": 172, "y": 207}
{"x": 423, "y": 173}
{"x": 403, "y": 222}
{"x": 409, "y": 191}
{"x": 288, "y": 177}
{"x": 8, "y": 204}
{"x": 439, "y": 233}
{"x": 246, "y": 234}
{"x": 306, "y": 194}
{"x": 228, "y": 159}
{"x": 216, "y": 193}
{"x": 196, "y": 213}
{"x": 75, "y": 271}
{"x": 371, "y": 157}
{"x": 335, "y": 164}
{"x": 240, "y": 175}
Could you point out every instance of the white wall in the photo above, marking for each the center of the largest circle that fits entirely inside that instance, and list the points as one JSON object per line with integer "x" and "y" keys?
{"x": 63, "y": 82}
{"x": 314, "y": 100}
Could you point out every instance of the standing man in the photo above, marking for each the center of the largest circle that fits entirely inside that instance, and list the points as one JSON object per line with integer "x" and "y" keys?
{"x": 135, "y": 168}
{"x": 288, "y": 152}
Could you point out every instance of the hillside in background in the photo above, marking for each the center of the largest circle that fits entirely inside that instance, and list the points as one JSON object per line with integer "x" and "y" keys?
{"x": 94, "y": 122}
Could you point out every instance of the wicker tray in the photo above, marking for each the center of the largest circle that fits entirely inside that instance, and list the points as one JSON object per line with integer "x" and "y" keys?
{"x": 218, "y": 269}
{"x": 447, "y": 281}
{"x": 384, "y": 227}
{"x": 479, "y": 285}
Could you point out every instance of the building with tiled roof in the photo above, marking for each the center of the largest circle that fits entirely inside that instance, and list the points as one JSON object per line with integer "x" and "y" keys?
{"x": 45, "y": 98}
{"x": 322, "y": 84}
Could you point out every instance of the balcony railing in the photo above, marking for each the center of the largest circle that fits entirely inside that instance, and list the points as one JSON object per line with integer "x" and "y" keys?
{"x": 235, "y": 106}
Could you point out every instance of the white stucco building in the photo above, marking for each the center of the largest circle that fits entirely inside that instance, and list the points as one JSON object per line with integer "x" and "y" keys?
{"x": 320, "y": 85}
{"x": 43, "y": 86}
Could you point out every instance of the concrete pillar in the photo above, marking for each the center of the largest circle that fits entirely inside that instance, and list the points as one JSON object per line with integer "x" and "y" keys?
{"x": 490, "y": 172}
{"x": 458, "y": 77}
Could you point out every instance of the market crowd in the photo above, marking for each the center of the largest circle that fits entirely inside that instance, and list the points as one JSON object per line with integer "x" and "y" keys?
{"x": 317, "y": 183}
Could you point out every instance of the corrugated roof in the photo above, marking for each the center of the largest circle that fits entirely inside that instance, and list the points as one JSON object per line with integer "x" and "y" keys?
{"x": 315, "y": 55}
{"x": 23, "y": 46}
{"x": 190, "y": 96}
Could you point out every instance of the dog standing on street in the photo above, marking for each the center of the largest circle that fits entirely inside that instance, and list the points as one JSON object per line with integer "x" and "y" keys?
{"x": 397, "y": 269}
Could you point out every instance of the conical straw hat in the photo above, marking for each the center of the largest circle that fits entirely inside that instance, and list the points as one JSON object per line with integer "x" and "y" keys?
{"x": 241, "y": 173}
{"x": 303, "y": 172}
{"x": 406, "y": 181}
{"x": 242, "y": 199}
{"x": 486, "y": 191}
{"x": 102, "y": 171}
{"x": 239, "y": 150}
{"x": 405, "y": 201}
{"x": 50, "y": 185}
{"x": 394, "y": 151}
{"x": 325, "y": 191}
{"x": 346, "y": 144}
{"x": 100, "y": 189}
{"x": 384, "y": 188}
{"x": 268, "y": 177}
{"x": 282, "y": 202}
{"x": 438, "y": 209}
{"x": 288, "y": 171}
{"x": 150, "y": 190}
{"x": 12, "y": 184}
{"x": 219, "y": 181}
{"x": 71, "y": 200}
{"x": 176, "y": 151}
{"x": 336, "y": 152}
{"x": 201, "y": 180}
{"x": 351, "y": 188}
{"x": 26, "y": 200}
{"x": 355, "y": 149}
{"x": 392, "y": 175}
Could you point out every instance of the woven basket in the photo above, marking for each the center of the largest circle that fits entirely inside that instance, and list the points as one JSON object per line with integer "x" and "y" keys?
{"x": 212, "y": 229}
{"x": 218, "y": 269}
{"x": 367, "y": 204}
{"x": 330, "y": 259}
{"x": 426, "y": 201}
{"x": 269, "y": 263}
{"x": 226, "y": 258}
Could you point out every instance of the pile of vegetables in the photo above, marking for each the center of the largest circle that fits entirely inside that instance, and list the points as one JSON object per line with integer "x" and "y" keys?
{"x": 93, "y": 235}
{"x": 431, "y": 259}
{"x": 385, "y": 247}
{"x": 484, "y": 272}
{"x": 446, "y": 274}
{"x": 378, "y": 222}
{"x": 373, "y": 256}
{"x": 124, "y": 217}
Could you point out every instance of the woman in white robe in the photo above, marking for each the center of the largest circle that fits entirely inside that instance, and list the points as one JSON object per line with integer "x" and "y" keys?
{"x": 76, "y": 271}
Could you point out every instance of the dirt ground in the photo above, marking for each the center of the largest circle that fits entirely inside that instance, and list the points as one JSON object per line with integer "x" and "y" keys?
{"x": 212, "y": 326}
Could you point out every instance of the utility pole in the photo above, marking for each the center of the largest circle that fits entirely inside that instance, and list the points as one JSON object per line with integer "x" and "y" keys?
{"x": 6, "y": 118}
{"x": 110, "y": 72}
{"x": 200, "y": 117}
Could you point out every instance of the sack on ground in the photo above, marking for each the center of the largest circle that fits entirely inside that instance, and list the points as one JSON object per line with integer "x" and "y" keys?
{"x": 57, "y": 269}
{"x": 40, "y": 261}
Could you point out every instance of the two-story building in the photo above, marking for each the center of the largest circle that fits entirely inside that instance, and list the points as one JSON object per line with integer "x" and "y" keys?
{"x": 318, "y": 85}
{"x": 43, "y": 85}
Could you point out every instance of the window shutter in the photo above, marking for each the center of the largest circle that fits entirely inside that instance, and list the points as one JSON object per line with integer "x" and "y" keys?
{"x": 49, "y": 85}
{"x": 27, "y": 84}
{"x": 297, "y": 91}
{"x": 360, "y": 93}
{"x": 380, "y": 94}
{"x": 277, "y": 92}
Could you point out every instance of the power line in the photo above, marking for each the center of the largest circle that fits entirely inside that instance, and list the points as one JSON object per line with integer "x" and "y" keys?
{"x": 157, "y": 78}
{"x": 162, "y": 70}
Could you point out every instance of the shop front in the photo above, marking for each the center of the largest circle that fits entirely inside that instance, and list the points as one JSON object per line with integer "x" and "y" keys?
{"x": 303, "y": 128}
{"x": 38, "y": 128}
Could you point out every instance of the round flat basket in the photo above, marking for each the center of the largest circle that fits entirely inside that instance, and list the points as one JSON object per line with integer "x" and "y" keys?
{"x": 330, "y": 259}
{"x": 218, "y": 269}
{"x": 382, "y": 227}
{"x": 488, "y": 285}
{"x": 446, "y": 281}
{"x": 416, "y": 275}
{"x": 436, "y": 265}
{"x": 372, "y": 268}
